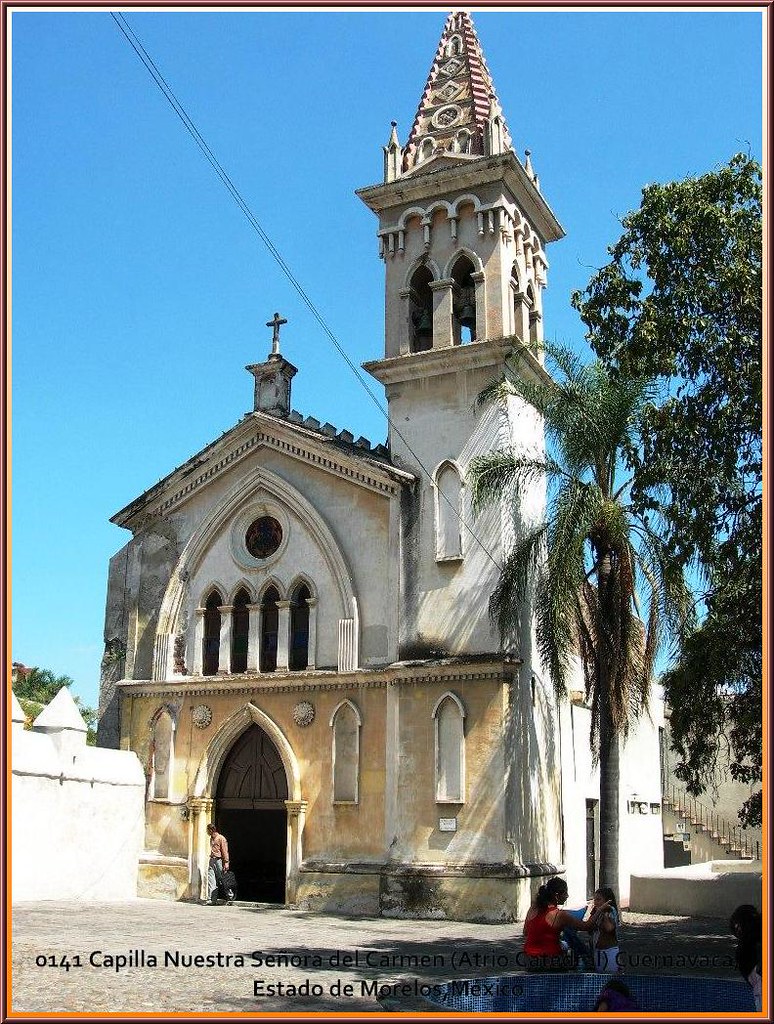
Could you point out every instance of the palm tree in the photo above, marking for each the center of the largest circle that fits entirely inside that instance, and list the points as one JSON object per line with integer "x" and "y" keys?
{"x": 597, "y": 573}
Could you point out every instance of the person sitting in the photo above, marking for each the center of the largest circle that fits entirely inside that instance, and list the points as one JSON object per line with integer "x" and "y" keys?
{"x": 746, "y": 924}
{"x": 543, "y": 926}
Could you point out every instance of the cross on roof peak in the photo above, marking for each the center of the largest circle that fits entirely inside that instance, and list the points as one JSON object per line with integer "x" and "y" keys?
{"x": 275, "y": 323}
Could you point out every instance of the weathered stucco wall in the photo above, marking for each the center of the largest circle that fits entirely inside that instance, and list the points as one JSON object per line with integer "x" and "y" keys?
{"x": 712, "y": 889}
{"x": 77, "y": 818}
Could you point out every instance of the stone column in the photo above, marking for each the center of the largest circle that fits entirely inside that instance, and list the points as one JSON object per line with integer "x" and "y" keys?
{"x": 201, "y": 815}
{"x": 198, "y": 651}
{"x": 443, "y": 335}
{"x": 479, "y": 279}
{"x": 253, "y": 637}
{"x": 520, "y": 314}
{"x": 311, "y": 656}
{"x": 405, "y": 325}
{"x": 296, "y": 820}
{"x": 224, "y": 651}
{"x": 536, "y": 325}
{"x": 283, "y": 636}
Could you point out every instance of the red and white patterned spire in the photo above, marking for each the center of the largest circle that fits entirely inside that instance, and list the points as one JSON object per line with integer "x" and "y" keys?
{"x": 458, "y": 104}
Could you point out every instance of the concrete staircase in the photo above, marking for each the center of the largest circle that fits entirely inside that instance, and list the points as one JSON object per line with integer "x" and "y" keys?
{"x": 705, "y": 834}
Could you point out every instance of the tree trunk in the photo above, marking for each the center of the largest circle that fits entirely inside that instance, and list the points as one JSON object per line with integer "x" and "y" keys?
{"x": 609, "y": 808}
{"x": 609, "y": 773}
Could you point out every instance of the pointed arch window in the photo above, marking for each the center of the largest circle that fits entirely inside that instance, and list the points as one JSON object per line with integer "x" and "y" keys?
{"x": 464, "y": 142}
{"x": 449, "y": 727}
{"x": 269, "y": 629}
{"x": 454, "y": 47}
{"x": 240, "y": 631}
{"x": 464, "y": 302}
{"x": 345, "y": 723}
{"x": 211, "y": 641}
{"x": 162, "y": 755}
{"x": 299, "y": 628}
{"x": 421, "y": 310}
{"x": 426, "y": 149}
{"x": 448, "y": 509}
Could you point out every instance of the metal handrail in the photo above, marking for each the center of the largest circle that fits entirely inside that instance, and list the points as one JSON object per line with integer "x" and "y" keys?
{"x": 727, "y": 834}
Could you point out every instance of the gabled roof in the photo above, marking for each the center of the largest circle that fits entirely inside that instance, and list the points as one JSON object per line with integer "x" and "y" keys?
{"x": 458, "y": 93}
{"x": 334, "y": 451}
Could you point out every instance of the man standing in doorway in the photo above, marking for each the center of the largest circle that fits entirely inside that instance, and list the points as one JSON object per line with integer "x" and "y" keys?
{"x": 218, "y": 863}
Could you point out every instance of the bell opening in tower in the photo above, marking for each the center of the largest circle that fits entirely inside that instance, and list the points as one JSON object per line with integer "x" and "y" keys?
{"x": 464, "y": 304}
{"x": 421, "y": 311}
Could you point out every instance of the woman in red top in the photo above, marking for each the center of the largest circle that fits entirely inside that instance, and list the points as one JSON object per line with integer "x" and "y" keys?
{"x": 543, "y": 925}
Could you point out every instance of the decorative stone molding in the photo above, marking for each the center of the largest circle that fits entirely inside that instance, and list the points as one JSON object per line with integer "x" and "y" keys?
{"x": 445, "y": 673}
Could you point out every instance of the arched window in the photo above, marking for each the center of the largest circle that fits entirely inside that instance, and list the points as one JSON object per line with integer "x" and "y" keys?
{"x": 345, "y": 722}
{"x": 464, "y": 142}
{"x": 240, "y": 631}
{"x": 162, "y": 754}
{"x": 211, "y": 653}
{"x": 426, "y": 149}
{"x": 454, "y": 47}
{"x": 464, "y": 303}
{"x": 269, "y": 630}
{"x": 299, "y": 628}
{"x": 421, "y": 311}
{"x": 449, "y": 717}
{"x": 448, "y": 494}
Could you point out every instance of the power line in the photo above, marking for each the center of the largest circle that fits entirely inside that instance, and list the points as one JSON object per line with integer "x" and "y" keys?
{"x": 150, "y": 65}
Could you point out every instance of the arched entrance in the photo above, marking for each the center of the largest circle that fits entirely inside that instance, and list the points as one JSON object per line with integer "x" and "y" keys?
{"x": 251, "y": 812}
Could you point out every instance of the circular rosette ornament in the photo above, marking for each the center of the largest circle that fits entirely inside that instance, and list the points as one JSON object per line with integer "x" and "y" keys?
{"x": 202, "y": 716}
{"x": 303, "y": 713}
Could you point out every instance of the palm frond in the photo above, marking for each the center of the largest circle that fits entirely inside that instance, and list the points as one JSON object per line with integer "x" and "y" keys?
{"x": 504, "y": 471}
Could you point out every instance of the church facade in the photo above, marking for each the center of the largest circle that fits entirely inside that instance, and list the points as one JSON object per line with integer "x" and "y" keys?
{"x": 298, "y": 644}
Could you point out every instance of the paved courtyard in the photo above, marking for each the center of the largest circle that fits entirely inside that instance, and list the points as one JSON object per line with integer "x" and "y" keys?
{"x": 152, "y": 956}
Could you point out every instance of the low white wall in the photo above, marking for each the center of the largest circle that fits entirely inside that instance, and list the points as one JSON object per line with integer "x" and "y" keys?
{"x": 712, "y": 889}
{"x": 77, "y": 820}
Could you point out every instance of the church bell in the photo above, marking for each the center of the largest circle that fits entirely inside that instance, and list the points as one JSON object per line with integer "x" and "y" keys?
{"x": 424, "y": 326}
{"x": 468, "y": 316}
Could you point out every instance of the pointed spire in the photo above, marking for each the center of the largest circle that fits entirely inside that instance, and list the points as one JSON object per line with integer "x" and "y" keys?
{"x": 393, "y": 155}
{"x": 456, "y": 109}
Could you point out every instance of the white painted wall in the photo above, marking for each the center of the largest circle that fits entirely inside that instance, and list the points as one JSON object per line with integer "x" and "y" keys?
{"x": 77, "y": 816}
{"x": 641, "y": 835}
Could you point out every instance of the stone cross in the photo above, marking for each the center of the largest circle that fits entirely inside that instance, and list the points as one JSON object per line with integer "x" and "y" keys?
{"x": 276, "y": 323}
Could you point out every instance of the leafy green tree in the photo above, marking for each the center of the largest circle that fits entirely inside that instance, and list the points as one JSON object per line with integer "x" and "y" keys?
{"x": 595, "y": 570}
{"x": 681, "y": 300}
{"x": 37, "y": 687}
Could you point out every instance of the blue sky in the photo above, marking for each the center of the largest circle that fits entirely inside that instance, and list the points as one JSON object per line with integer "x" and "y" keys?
{"x": 140, "y": 291}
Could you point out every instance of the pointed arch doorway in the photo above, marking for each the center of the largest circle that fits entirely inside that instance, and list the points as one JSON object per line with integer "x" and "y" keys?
{"x": 251, "y": 812}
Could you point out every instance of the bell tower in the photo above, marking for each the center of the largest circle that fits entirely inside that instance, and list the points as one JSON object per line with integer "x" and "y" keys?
{"x": 463, "y": 231}
{"x": 463, "y": 226}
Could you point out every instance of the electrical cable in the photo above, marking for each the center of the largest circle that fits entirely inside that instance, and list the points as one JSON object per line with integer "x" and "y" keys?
{"x": 194, "y": 132}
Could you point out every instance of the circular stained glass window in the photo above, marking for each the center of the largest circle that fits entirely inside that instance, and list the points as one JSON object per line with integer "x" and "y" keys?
{"x": 263, "y": 537}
